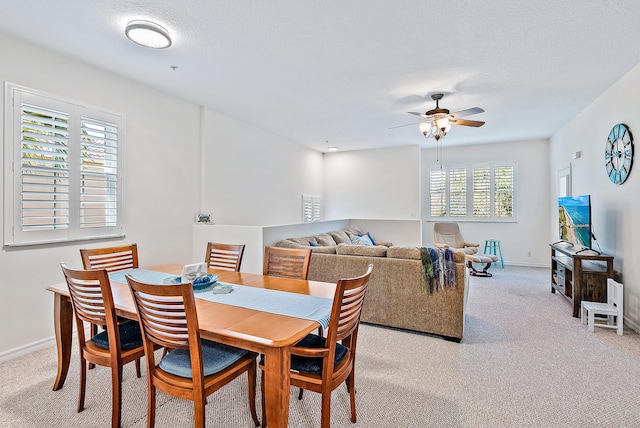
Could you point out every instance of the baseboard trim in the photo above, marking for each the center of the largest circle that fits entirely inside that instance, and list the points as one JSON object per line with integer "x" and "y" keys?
{"x": 632, "y": 325}
{"x": 26, "y": 349}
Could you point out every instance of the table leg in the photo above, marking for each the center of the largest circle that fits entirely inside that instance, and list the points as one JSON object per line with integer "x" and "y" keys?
{"x": 276, "y": 386}
{"x": 63, "y": 321}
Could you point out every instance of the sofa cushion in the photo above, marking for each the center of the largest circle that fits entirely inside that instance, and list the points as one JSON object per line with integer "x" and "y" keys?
{"x": 326, "y": 240}
{"x": 340, "y": 237}
{"x": 324, "y": 250}
{"x": 361, "y": 250}
{"x": 404, "y": 253}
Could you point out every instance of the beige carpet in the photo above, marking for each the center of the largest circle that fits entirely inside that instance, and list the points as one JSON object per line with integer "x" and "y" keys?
{"x": 524, "y": 362}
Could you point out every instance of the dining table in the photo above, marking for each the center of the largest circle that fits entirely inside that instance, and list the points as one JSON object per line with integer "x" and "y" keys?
{"x": 268, "y": 333}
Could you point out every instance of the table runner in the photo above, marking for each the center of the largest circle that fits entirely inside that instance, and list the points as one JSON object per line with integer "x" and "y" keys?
{"x": 296, "y": 305}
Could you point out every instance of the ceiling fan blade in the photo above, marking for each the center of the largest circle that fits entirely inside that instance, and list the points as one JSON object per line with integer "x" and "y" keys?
{"x": 465, "y": 122}
{"x": 408, "y": 124}
{"x": 418, "y": 114}
{"x": 467, "y": 112}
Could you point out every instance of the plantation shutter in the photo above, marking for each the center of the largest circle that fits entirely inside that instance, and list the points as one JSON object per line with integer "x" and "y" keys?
{"x": 44, "y": 168}
{"x": 63, "y": 170}
{"x": 311, "y": 207}
{"x": 99, "y": 173}
{"x": 503, "y": 191}
{"x": 482, "y": 192}
{"x": 438, "y": 193}
{"x": 458, "y": 192}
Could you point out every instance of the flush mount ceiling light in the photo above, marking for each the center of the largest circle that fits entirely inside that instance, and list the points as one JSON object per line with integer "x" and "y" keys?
{"x": 148, "y": 34}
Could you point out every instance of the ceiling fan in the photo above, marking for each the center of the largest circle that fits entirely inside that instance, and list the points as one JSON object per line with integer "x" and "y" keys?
{"x": 438, "y": 121}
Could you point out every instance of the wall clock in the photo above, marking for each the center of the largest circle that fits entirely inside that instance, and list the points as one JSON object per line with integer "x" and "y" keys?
{"x": 618, "y": 153}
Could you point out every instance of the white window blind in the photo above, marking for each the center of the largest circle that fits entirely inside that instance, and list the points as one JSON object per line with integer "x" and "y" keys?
{"x": 311, "y": 208}
{"x": 458, "y": 192}
{"x": 438, "y": 193}
{"x": 482, "y": 192}
{"x": 63, "y": 175}
{"x": 44, "y": 168}
{"x": 99, "y": 174}
{"x": 503, "y": 191}
{"x": 472, "y": 192}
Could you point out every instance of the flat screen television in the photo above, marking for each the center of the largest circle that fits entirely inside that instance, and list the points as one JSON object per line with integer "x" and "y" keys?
{"x": 574, "y": 218}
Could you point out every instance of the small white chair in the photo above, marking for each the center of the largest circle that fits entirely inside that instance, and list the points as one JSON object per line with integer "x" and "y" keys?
{"x": 613, "y": 308}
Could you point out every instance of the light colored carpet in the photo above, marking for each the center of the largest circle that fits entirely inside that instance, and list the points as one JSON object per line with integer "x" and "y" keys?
{"x": 524, "y": 362}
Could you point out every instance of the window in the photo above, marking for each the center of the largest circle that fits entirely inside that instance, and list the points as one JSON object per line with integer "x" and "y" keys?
{"x": 63, "y": 170}
{"x": 311, "y": 206}
{"x": 484, "y": 192}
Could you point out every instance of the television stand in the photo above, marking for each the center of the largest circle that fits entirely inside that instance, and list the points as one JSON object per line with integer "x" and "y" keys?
{"x": 588, "y": 249}
{"x": 579, "y": 274}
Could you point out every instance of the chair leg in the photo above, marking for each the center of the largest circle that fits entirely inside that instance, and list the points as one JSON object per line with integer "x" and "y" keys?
{"x": 151, "y": 405}
{"x": 620, "y": 325}
{"x": 591, "y": 321}
{"x": 199, "y": 411}
{"x": 138, "y": 373}
{"x": 300, "y": 394}
{"x": 83, "y": 382}
{"x": 583, "y": 314}
{"x": 251, "y": 373}
{"x": 264, "y": 413}
{"x": 116, "y": 395}
{"x": 325, "y": 418}
{"x": 352, "y": 395}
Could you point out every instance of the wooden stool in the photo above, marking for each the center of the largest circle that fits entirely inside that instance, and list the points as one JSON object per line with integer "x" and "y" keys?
{"x": 492, "y": 246}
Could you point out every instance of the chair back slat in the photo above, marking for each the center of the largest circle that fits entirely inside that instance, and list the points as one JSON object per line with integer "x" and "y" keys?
{"x": 112, "y": 259}
{"x": 286, "y": 262}
{"x": 224, "y": 256}
{"x": 163, "y": 312}
{"x": 88, "y": 290}
{"x": 350, "y": 304}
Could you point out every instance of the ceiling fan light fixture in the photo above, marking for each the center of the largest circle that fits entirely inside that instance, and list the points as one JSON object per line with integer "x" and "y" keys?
{"x": 442, "y": 122}
{"x": 425, "y": 128}
{"x": 148, "y": 34}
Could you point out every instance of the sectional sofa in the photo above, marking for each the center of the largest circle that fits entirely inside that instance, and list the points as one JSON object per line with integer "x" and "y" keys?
{"x": 398, "y": 295}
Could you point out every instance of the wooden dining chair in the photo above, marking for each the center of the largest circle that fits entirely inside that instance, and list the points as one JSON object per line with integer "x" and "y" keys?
{"x": 195, "y": 367}
{"x": 111, "y": 258}
{"x": 224, "y": 256}
{"x": 286, "y": 262}
{"x": 119, "y": 344}
{"x": 321, "y": 363}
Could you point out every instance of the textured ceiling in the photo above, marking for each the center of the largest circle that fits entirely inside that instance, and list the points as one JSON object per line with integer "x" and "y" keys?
{"x": 344, "y": 72}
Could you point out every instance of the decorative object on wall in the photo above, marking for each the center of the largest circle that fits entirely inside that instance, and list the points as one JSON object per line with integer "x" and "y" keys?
{"x": 204, "y": 218}
{"x": 618, "y": 153}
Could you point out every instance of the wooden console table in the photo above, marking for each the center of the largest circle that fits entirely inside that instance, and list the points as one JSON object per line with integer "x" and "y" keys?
{"x": 579, "y": 274}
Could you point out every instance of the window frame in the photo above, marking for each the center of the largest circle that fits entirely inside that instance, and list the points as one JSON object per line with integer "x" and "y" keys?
{"x": 444, "y": 198}
{"x": 78, "y": 112}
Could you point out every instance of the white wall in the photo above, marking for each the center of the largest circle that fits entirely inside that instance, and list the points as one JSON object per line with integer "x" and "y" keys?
{"x": 253, "y": 177}
{"x": 246, "y": 176}
{"x": 615, "y": 209}
{"x": 162, "y": 186}
{"x": 373, "y": 184}
{"x": 524, "y": 236}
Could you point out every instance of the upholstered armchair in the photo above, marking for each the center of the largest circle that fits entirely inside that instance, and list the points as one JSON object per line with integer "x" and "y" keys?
{"x": 447, "y": 235}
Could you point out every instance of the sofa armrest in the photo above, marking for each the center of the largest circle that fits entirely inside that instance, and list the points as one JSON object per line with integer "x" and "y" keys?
{"x": 469, "y": 244}
{"x": 437, "y": 245}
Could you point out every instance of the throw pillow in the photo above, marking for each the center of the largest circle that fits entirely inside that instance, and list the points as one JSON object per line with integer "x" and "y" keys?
{"x": 361, "y": 240}
{"x": 370, "y": 237}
